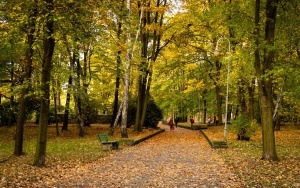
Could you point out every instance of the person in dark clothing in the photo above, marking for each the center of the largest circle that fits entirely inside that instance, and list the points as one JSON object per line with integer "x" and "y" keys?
{"x": 171, "y": 124}
{"x": 176, "y": 121}
{"x": 192, "y": 121}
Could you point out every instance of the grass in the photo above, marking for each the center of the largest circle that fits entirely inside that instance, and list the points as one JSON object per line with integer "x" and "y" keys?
{"x": 64, "y": 147}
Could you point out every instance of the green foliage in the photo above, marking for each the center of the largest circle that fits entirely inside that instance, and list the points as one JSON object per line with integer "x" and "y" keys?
{"x": 243, "y": 127}
{"x": 153, "y": 115}
{"x": 131, "y": 113}
{"x": 7, "y": 114}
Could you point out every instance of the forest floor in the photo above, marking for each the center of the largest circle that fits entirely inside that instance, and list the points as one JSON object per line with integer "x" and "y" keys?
{"x": 179, "y": 158}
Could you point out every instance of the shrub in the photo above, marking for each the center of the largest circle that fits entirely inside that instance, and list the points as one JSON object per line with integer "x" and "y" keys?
{"x": 153, "y": 115}
{"x": 243, "y": 127}
{"x": 8, "y": 115}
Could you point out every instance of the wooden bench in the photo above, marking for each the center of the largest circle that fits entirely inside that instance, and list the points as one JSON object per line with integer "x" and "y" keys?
{"x": 107, "y": 144}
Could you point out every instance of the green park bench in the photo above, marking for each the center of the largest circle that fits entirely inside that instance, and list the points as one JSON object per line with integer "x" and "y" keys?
{"x": 107, "y": 144}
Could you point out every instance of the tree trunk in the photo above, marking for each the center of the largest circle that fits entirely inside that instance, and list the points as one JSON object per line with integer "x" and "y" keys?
{"x": 68, "y": 99}
{"x": 78, "y": 97}
{"x": 118, "y": 72}
{"x": 49, "y": 43}
{"x": 140, "y": 104}
{"x": 251, "y": 90}
{"x": 24, "y": 91}
{"x": 265, "y": 81}
{"x": 146, "y": 66}
{"x": 241, "y": 96}
{"x": 124, "y": 133}
{"x": 67, "y": 106}
{"x": 143, "y": 72}
{"x": 55, "y": 105}
{"x": 215, "y": 77}
{"x": 86, "y": 78}
{"x": 204, "y": 111}
{"x": 275, "y": 113}
{"x": 112, "y": 129}
{"x": 12, "y": 98}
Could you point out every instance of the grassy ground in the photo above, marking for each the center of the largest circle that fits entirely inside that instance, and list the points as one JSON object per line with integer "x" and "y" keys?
{"x": 67, "y": 145}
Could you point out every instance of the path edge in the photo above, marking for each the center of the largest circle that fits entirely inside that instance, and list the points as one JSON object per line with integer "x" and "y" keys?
{"x": 147, "y": 137}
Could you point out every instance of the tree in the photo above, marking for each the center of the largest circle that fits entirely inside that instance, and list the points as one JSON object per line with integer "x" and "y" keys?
{"x": 151, "y": 34}
{"x": 263, "y": 69}
{"x": 26, "y": 78}
{"x": 48, "y": 49}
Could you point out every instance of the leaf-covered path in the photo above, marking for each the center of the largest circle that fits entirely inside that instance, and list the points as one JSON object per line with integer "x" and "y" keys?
{"x": 179, "y": 158}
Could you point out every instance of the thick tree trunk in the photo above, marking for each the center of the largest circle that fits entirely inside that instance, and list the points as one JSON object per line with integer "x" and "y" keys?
{"x": 143, "y": 72}
{"x": 265, "y": 81}
{"x": 49, "y": 43}
{"x": 215, "y": 77}
{"x": 28, "y": 70}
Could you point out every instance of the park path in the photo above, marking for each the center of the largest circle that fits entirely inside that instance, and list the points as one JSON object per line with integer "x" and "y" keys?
{"x": 179, "y": 158}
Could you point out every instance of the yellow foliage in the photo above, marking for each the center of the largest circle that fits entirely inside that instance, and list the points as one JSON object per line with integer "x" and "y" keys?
{"x": 194, "y": 85}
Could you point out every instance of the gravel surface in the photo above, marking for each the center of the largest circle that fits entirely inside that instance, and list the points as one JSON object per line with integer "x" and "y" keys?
{"x": 179, "y": 158}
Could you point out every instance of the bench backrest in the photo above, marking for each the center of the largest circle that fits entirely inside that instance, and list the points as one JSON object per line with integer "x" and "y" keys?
{"x": 103, "y": 137}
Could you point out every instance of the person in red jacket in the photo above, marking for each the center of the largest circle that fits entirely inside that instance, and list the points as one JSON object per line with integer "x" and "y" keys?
{"x": 192, "y": 121}
{"x": 171, "y": 123}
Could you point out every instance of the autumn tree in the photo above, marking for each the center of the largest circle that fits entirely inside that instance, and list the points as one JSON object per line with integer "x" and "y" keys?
{"x": 27, "y": 66}
{"x": 152, "y": 17}
{"x": 48, "y": 49}
{"x": 263, "y": 67}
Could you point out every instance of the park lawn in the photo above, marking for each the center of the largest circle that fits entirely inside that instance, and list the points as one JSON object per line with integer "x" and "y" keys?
{"x": 68, "y": 145}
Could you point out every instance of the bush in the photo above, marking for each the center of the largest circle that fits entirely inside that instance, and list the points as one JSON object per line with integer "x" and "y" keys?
{"x": 153, "y": 115}
{"x": 8, "y": 115}
{"x": 243, "y": 127}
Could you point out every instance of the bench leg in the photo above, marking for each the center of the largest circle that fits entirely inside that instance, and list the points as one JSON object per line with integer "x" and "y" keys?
{"x": 115, "y": 145}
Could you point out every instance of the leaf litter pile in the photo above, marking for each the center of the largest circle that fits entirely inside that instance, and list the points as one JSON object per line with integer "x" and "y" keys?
{"x": 180, "y": 158}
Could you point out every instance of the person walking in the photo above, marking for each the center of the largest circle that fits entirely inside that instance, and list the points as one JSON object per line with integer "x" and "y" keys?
{"x": 217, "y": 120}
{"x": 176, "y": 121}
{"x": 209, "y": 120}
{"x": 171, "y": 123}
{"x": 192, "y": 121}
